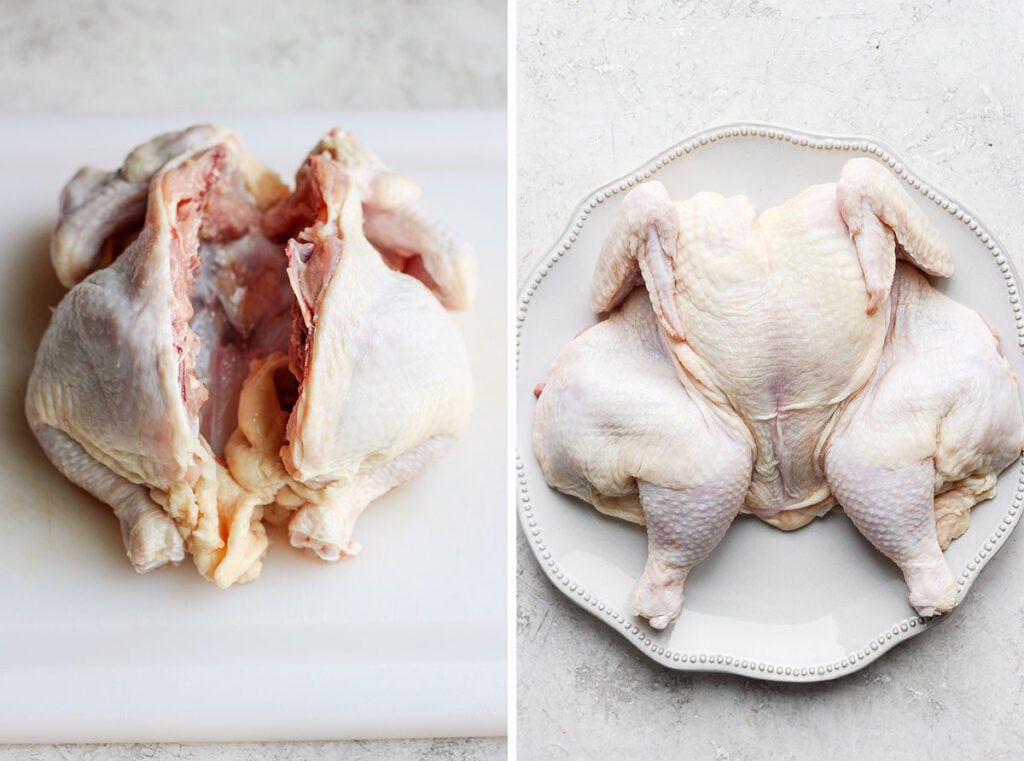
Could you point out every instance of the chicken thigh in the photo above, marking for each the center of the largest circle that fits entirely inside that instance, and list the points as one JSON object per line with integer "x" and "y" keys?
{"x": 615, "y": 427}
{"x": 925, "y": 441}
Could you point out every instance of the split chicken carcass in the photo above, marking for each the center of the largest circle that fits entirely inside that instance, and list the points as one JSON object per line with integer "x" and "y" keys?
{"x": 810, "y": 371}
{"x": 384, "y": 384}
{"x": 205, "y": 329}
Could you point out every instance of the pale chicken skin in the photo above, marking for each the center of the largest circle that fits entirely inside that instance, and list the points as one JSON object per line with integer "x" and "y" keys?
{"x": 778, "y": 326}
{"x": 231, "y": 351}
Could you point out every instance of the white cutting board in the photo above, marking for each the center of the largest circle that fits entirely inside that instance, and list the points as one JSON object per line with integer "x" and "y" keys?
{"x": 408, "y": 639}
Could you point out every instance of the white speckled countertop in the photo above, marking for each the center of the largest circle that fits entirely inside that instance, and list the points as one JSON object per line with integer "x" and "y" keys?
{"x": 131, "y": 56}
{"x": 604, "y": 86}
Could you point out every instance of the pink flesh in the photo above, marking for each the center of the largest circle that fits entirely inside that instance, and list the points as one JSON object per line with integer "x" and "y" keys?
{"x": 182, "y": 191}
{"x": 299, "y": 210}
{"x": 243, "y": 294}
{"x": 314, "y": 246}
{"x": 101, "y": 212}
{"x": 410, "y": 264}
{"x": 234, "y": 302}
{"x": 307, "y": 204}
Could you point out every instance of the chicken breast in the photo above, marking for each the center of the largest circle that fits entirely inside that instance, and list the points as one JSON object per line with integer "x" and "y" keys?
{"x": 778, "y": 318}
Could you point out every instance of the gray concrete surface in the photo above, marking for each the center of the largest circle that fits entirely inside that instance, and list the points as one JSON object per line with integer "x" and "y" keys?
{"x": 458, "y": 749}
{"x": 602, "y": 87}
{"x": 132, "y": 56}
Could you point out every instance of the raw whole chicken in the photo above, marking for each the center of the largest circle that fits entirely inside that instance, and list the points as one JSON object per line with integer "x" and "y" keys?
{"x": 229, "y": 351}
{"x": 780, "y": 364}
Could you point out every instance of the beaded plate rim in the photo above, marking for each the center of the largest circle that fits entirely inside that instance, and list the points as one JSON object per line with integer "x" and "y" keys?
{"x": 638, "y": 633}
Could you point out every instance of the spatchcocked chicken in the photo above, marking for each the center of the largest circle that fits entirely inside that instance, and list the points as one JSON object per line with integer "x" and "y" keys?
{"x": 780, "y": 364}
{"x": 231, "y": 352}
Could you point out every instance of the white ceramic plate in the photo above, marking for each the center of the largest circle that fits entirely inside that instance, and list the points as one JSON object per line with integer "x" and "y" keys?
{"x": 804, "y": 606}
{"x": 406, "y": 640}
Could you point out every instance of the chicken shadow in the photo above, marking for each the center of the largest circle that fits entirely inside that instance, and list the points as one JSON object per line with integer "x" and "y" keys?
{"x": 30, "y": 301}
{"x": 33, "y": 292}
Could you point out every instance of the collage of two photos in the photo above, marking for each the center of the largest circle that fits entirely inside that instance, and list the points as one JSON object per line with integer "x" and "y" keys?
{"x": 485, "y": 380}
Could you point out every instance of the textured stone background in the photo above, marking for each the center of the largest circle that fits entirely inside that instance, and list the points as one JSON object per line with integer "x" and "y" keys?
{"x": 603, "y": 87}
{"x": 457, "y": 749}
{"x": 117, "y": 56}
{"x": 132, "y": 56}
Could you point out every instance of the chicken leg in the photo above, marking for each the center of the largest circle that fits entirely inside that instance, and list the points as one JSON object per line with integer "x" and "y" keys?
{"x": 150, "y": 536}
{"x": 924, "y": 442}
{"x": 891, "y": 504}
{"x": 615, "y": 427}
{"x": 683, "y": 527}
{"x": 326, "y": 528}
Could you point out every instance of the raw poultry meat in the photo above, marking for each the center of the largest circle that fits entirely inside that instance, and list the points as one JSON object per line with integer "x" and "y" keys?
{"x": 101, "y": 211}
{"x": 717, "y": 269}
{"x": 823, "y": 400}
{"x": 408, "y": 238}
{"x": 615, "y": 427}
{"x": 115, "y": 394}
{"x": 203, "y": 325}
{"x": 926, "y": 439}
{"x": 383, "y": 381}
